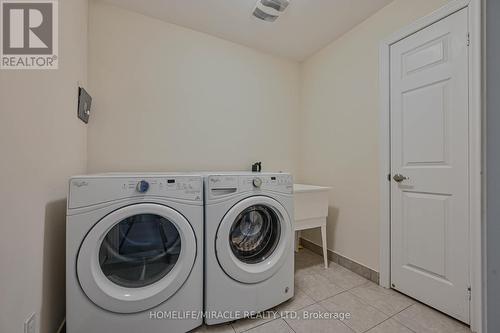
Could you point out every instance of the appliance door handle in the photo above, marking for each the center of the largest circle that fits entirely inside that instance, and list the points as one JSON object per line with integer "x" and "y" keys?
{"x": 223, "y": 191}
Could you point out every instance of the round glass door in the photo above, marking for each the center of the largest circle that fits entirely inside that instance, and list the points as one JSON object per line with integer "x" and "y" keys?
{"x": 140, "y": 250}
{"x": 255, "y": 234}
{"x": 136, "y": 257}
{"x": 254, "y": 239}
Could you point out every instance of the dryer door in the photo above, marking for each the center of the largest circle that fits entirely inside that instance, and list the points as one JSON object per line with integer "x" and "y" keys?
{"x": 254, "y": 239}
{"x": 136, "y": 257}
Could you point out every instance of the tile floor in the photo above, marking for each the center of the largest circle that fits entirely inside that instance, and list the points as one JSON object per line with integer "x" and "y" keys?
{"x": 318, "y": 290}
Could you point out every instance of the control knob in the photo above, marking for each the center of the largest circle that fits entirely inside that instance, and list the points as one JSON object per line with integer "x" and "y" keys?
{"x": 257, "y": 182}
{"x": 142, "y": 186}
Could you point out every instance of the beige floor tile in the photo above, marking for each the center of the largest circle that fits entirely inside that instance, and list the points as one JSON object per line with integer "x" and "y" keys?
{"x": 248, "y": 323}
{"x": 223, "y": 328}
{"x": 363, "y": 316}
{"x": 305, "y": 259}
{"x": 299, "y": 273}
{"x": 317, "y": 286}
{"x": 369, "y": 305}
{"x": 303, "y": 324}
{"x": 340, "y": 276}
{"x": 423, "y": 319}
{"x": 300, "y": 300}
{"x": 390, "y": 326}
{"x": 275, "y": 326}
{"x": 388, "y": 301}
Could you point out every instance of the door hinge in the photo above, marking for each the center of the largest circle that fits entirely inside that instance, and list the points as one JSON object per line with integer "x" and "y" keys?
{"x": 389, "y": 177}
{"x": 468, "y": 39}
{"x": 469, "y": 293}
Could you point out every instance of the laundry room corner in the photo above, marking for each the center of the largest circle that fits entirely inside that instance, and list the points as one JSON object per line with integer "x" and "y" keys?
{"x": 193, "y": 101}
{"x": 340, "y": 129}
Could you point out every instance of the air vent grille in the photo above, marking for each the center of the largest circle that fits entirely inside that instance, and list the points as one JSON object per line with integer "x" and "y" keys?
{"x": 258, "y": 13}
{"x": 270, "y": 10}
{"x": 279, "y": 5}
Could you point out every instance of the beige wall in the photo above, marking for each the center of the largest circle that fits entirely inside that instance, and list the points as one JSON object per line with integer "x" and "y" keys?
{"x": 340, "y": 129}
{"x": 42, "y": 143}
{"x": 169, "y": 98}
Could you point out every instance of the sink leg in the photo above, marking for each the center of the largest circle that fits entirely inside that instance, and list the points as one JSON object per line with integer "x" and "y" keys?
{"x": 323, "y": 239}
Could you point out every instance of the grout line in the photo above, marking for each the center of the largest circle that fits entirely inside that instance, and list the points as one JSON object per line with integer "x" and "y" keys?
{"x": 394, "y": 315}
{"x": 403, "y": 309}
{"x": 367, "y": 304}
{"x": 341, "y": 321}
{"x": 251, "y": 328}
{"x": 289, "y": 325}
{"x": 378, "y": 324}
{"x": 267, "y": 322}
{"x": 384, "y": 322}
{"x": 249, "y": 318}
{"x": 401, "y": 323}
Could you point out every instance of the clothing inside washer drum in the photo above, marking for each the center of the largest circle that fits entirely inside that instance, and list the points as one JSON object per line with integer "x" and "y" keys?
{"x": 140, "y": 250}
{"x": 255, "y": 233}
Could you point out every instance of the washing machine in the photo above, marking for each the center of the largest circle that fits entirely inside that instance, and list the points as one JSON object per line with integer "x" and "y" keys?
{"x": 249, "y": 264}
{"x": 134, "y": 253}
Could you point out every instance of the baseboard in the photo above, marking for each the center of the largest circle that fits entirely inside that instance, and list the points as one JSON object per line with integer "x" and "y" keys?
{"x": 351, "y": 265}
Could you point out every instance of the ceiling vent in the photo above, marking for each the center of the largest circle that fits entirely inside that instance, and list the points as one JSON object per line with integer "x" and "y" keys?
{"x": 270, "y": 10}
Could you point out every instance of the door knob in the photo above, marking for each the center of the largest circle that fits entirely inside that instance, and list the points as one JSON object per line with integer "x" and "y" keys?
{"x": 399, "y": 178}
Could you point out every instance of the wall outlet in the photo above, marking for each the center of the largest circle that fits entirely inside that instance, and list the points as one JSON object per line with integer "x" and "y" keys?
{"x": 30, "y": 324}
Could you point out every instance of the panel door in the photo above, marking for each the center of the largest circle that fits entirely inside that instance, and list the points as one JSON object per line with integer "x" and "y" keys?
{"x": 429, "y": 166}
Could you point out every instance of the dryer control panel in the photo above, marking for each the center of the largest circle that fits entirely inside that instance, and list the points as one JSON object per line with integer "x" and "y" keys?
{"x": 221, "y": 185}
{"x": 91, "y": 190}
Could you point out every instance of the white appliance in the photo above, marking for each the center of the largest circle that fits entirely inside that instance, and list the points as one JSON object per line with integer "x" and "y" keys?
{"x": 249, "y": 265}
{"x": 134, "y": 253}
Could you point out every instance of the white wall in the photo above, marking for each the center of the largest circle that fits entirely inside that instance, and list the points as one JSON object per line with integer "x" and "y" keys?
{"x": 41, "y": 143}
{"x": 339, "y": 141}
{"x": 168, "y": 98}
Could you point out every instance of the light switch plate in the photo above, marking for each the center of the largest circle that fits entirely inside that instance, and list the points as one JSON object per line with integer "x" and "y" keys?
{"x": 84, "y": 103}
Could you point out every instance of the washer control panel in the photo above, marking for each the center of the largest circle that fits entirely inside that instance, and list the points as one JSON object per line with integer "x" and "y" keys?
{"x": 88, "y": 190}
{"x": 274, "y": 182}
{"x": 220, "y": 185}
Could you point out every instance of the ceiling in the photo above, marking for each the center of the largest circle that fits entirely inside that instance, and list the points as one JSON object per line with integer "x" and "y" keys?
{"x": 305, "y": 27}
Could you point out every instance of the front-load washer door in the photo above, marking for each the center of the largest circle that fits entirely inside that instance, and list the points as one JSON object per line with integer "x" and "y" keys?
{"x": 136, "y": 257}
{"x": 253, "y": 239}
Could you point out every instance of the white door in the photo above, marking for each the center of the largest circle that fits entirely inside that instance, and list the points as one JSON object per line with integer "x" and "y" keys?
{"x": 429, "y": 166}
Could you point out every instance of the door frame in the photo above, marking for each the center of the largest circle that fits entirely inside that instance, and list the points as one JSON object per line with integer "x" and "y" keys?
{"x": 475, "y": 149}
